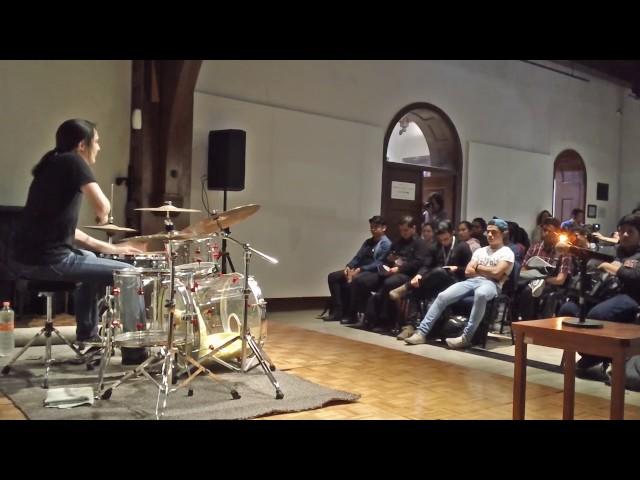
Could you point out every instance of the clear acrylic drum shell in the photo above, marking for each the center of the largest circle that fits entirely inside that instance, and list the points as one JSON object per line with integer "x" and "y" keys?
{"x": 192, "y": 251}
{"x": 148, "y": 260}
{"x": 146, "y": 326}
{"x": 219, "y": 313}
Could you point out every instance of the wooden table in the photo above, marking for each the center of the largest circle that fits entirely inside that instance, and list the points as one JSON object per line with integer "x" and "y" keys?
{"x": 617, "y": 341}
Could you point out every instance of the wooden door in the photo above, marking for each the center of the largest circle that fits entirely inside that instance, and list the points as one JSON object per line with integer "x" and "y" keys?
{"x": 401, "y": 195}
{"x": 569, "y": 184}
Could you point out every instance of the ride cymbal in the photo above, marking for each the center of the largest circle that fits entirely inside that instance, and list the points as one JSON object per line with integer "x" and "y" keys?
{"x": 222, "y": 220}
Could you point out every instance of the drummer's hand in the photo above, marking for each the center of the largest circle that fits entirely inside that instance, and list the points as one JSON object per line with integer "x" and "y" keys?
{"x": 125, "y": 249}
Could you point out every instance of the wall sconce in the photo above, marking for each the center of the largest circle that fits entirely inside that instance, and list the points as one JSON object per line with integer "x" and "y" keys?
{"x": 136, "y": 119}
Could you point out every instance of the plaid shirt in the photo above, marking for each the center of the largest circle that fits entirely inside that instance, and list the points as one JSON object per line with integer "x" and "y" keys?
{"x": 550, "y": 256}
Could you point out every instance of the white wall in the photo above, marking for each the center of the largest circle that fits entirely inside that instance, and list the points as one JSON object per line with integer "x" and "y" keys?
{"x": 311, "y": 176}
{"x": 503, "y": 103}
{"x": 490, "y": 192}
{"x": 37, "y": 96}
{"x": 630, "y": 163}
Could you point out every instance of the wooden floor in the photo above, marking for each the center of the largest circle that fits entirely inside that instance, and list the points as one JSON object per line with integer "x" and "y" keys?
{"x": 397, "y": 385}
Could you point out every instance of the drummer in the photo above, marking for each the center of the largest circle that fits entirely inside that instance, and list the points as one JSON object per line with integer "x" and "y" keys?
{"x": 44, "y": 244}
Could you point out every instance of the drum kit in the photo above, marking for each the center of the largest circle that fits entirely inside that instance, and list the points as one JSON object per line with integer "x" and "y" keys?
{"x": 179, "y": 302}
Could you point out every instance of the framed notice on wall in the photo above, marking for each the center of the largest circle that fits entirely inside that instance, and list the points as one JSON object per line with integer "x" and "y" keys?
{"x": 592, "y": 211}
{"x": 403, "y": 191}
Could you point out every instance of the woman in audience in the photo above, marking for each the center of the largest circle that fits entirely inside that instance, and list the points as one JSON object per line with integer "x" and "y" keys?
{"x": 536, "y": 235}
{"x": 464, "y": 235}
{"x": 427, "y": 234}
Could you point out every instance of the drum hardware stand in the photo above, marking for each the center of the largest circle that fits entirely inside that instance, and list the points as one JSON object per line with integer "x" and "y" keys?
{"x": 245, "y": 336}
{"x": 225, "y": 255}
{"x": 167, "y": 354}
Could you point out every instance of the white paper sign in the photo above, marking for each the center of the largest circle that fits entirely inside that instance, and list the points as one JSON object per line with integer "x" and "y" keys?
{"x": 403, "y": 191}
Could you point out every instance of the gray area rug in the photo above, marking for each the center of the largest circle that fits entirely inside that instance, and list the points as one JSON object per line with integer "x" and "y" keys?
{"x": 136, "y": 398}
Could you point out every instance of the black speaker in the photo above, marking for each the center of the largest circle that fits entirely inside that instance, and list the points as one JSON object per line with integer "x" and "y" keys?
{"x": 226, "y": 160}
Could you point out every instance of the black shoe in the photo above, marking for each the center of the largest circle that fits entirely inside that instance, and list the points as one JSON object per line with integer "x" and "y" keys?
{"x": 332, "y": 317}
{"x": 93, "y": 341}
{"x": 348, "y": 320}
{"x": 588, "y": 361}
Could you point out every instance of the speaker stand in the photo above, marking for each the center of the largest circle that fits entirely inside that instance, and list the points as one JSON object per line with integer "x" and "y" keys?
{"x": 225, "y": 255}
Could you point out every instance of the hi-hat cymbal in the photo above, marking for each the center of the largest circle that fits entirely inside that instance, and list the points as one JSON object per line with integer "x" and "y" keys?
{"x": 110, "y": 227}
{"x": 222, "y": 220}
{"x": 168, "y": 208}
{"x": 162, "y": 236}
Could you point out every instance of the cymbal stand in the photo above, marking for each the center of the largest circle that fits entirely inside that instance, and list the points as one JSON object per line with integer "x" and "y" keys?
{"x": 109, "y": 324}
{"x": 170, "y": 352}
{"x": 248, "y": 341}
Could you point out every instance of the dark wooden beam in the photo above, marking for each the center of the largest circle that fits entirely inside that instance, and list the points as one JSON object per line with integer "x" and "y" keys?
{"x": 160, "y": 165}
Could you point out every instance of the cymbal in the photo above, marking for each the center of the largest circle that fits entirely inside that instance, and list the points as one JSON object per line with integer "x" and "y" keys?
{"x": 110, "y": 227}
{"x": 161, "y": 236}
{"x": 222, "y": 220}
{"x": 168, "y": 208}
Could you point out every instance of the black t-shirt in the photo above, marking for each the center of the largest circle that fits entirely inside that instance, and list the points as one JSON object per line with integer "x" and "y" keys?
{"x": 47, "y": 226}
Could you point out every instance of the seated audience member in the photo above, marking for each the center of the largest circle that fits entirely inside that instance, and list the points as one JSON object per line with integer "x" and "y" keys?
{"x": 528, "y": 297}
{"x": 478, "y": 228}
{"x": 623, "y": 306}
{"x": 406, "y": 256}
{"x": 434, "y": 209}
{"x": 536, "y": 234}
{"x": 428, "y": 234}
{"x": 487, "y": 271}
{"x": 576, "y": 220}
{"x": 464, "y": 235}
{"x": 509, "y": 240}
{"x": 443, "y": 267}
{"x": 370, "y": 256}
{"x": 614, "y": 238}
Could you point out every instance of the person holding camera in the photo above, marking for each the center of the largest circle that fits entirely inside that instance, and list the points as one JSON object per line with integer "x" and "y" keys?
{"x": 623, "y": 306}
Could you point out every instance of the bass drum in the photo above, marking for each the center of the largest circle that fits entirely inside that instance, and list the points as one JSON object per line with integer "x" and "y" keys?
{"x": 218, "y": 304}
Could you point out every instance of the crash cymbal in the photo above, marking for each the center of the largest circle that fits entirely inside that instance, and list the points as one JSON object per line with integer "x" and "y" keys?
{"x": 110, "y": 227}
{"x": 161, "y": 236}
{"x": 168, "y": 207}
{"x": 222, "y": 220}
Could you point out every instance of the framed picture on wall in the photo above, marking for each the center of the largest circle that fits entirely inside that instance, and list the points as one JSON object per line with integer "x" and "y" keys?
{"x": 592, "y": 211}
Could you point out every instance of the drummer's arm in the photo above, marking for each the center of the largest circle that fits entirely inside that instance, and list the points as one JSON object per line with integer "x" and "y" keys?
{"x": 95, "y": 245}
{"x": 99, "y": 201}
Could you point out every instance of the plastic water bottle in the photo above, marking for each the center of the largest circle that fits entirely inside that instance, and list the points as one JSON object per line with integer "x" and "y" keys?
{"x": 7, "y": 335}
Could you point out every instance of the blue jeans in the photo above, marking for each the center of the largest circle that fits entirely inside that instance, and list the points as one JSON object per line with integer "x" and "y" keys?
{"x": 80, "y": 266}
{"x": 483, "y": 290}
{"x": 619, "y": 308}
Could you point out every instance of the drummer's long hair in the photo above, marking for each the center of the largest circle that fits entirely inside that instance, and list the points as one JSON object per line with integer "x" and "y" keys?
{"x": 68, "y": 135}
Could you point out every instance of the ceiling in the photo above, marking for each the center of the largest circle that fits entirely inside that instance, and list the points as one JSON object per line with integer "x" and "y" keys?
{"x": 623, "y": 72}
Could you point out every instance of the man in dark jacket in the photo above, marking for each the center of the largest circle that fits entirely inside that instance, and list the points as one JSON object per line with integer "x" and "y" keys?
{"x": 623, "y": 306}
{"x": 344, "y": 283}
{"x": 406, "y": 256}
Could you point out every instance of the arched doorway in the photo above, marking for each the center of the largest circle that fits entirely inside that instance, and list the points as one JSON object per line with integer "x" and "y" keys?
{"x": 569, "y": 184}
{"x": 422, "y": 155}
